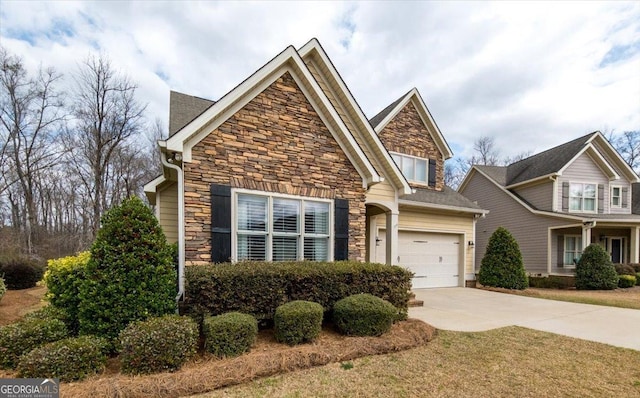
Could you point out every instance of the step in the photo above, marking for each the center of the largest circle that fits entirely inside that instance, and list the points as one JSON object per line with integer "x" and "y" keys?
{"x": 416, "y": 303}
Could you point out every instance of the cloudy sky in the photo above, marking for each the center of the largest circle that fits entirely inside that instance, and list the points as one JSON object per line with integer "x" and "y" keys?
{"x": 529, "y": 74}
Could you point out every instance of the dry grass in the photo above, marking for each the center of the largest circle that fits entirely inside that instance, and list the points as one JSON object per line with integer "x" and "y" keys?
{"x": 622, "y": 298}
{"x": 16, "y": 303}
{"x": 507, "y": 362}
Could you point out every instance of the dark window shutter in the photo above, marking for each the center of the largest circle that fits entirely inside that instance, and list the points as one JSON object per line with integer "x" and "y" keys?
{"x": 341, "y": 229}
{"x": 432, "y": 172}
{"x": 560, "y": 251}
{"x": 220, "y": 223}
{"x": 565, "y": 196}
{"x": 625, "y": 197}
{"x": 600, "y": 198}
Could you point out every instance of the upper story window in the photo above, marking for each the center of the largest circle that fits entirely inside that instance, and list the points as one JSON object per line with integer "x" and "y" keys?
{"x": 616, "y": 197}
{"x": 278, "y": 228}
{"x": 413, "y": 168}
{"x": 582, "y": 197}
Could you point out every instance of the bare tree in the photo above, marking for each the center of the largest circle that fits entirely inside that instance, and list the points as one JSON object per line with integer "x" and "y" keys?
{"x": 30, "y": 117}
{"x": 628, "y": 145}
{"x": 107, "y": 116}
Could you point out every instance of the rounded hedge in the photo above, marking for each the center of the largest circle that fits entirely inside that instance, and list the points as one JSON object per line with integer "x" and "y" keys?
{"x": 158, "y": 344}
{"x": 21, "y": 337}
{"x": 624, "y": 269}
{"x": 626, "y": 281}
{"x": 595, "y": 271}
{"x": 363, "y": 315}
{"x": 70, "y": 359}
{"x": 502, "y": 264}
{"x": 230, "y": 334}
{"x": 20, "y": 272}
{"x": 48, "y": 312}
{"x": 298, "y": 322}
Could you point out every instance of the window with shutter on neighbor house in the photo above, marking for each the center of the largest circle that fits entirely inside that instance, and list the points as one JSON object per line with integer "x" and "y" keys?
{"x": 582, "y": 197}
{"x": 616, "y": 196}
{"x": 278, "y": 228}
{"x": 572, "y": 249}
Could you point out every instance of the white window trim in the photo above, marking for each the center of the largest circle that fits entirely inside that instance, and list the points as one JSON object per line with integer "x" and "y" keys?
{"x": 270, "y": 196}
{"x": 403, "y": 156}
{"x": 564, "y": 249}
{"x": 595, "y": 205}
{"x": 619, "y": 205}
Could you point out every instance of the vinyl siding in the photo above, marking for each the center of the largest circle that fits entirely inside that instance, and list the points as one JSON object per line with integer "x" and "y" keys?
{"x": 539, "y": 196}
{"x": 167, "y": 201}
{"x": 381, "y": 192}
{"x": 530, "y": 230}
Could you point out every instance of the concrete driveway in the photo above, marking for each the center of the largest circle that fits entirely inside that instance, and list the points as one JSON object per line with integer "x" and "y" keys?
{"x": 474, "y": 310}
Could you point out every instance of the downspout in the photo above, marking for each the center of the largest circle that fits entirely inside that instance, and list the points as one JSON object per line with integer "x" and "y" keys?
{"x": 178, "y": 170}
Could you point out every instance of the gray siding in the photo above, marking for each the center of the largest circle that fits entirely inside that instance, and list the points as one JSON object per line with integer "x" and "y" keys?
{"x": 539, "y": 195}
{"x": 530, "y": 230}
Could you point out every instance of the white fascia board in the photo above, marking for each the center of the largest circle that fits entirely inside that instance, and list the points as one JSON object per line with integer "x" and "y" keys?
{"x": 312, "y": 48}
{"x": 549, "y": 176}
{"x": 434, "y": 206}
{"x": 442, "y": 144}
{"x": 593, "y": 152}
{"x": 151, "y": 188}
{"x": 466, "y": 179}
{"x": 631, "y": 174}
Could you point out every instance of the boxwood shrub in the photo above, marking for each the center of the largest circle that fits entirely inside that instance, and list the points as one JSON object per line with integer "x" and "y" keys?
{"x": 70, "y": 359}
{"x": 48, "y": 312}
{"x": 230, "y": 334}
{"x": 21, "y": 337}
{"x": 158, "y": 344}
{"x": 595, "y": 271}
{"x": 624, "y": 269}
{"x": 552, "y": 282}
{"x": 363, "y": 315}
{"x": 258, "y": 288}
{"x": 626, "y": 281}
{"x": 20, "y": 272}
{"x": 298, "y": 322}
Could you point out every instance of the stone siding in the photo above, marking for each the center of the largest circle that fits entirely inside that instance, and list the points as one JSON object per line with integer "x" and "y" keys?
{"x": 276, "y": 143}
{"x": 407, "y": 134}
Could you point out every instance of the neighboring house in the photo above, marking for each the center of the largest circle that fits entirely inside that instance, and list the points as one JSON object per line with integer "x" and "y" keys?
{"x": 558, "y": 202}
{"x": 287, "y": 167}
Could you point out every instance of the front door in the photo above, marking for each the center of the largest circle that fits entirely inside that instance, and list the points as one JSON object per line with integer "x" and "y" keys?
{"x": 616, "y": 246}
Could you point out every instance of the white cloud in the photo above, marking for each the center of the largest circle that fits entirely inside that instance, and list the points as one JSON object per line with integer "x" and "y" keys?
{"x": 530, "y": 74}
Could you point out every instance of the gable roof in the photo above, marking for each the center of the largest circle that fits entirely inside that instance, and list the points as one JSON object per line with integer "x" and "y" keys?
{"x": 380, "y": 121}
{"x": 183, "y": 108}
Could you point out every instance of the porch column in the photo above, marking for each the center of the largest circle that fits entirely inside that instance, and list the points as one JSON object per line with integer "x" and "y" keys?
{"x": 634, "y": 245}
{"x": 586, "y": 236}
{"x": 392, "y": 238}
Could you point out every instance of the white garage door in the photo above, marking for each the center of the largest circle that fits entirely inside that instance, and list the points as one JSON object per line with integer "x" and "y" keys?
{"x": 434, "y": 258}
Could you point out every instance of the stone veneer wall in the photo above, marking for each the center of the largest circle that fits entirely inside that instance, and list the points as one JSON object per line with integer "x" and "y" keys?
{"x": 407, "y": 134}
{"x": 276, "y": 143}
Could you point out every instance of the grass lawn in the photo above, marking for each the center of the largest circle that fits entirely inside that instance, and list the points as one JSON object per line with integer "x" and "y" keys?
{"x": 623, "y": 298}
{"x": 507, "y": 362}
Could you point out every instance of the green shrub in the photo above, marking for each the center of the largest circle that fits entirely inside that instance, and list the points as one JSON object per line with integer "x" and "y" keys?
{"x": 363, "y": 315}
{"x": 129, "y": 275}
{"x": 298, "y": 322}
{"x": 230, "y": 334}
{"x": 158, "y": 344}
{"x": 626, "y": 281}
{"x": 624, "y": 269}
{"x": 20, "y": 272}
{"x": 21, "y": 337}
{"x": 258, "y": 288}
{"x": 69, "y": 360}
{"x": 635, "y": 266}
{"x": 502, "y": 265}
{"x": 552, "y": 282}
{"x": 638, "y": 278}
{"x": 3, "y": 288}
{"x": 48, "y": 312}
{"x": 595, "y": 271}
{"x": 63, "y": 279}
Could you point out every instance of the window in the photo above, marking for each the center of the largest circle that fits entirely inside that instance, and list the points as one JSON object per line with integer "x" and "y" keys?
{"x": 275, "y": 228}
{"x": 582, "y": 197}
{"x": 414, "y": 169}
{"x": 572, "y": 249}
{"x": 616, "y": 197}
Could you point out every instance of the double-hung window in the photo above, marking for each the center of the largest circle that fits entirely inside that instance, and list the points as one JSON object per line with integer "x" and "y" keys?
{"x": 616, "y": 197}
{"x": 572, "y": 249}
{"x": 582, "y": 197}
{"x": 413, "y": 168}
{"x": 276, "y": 228}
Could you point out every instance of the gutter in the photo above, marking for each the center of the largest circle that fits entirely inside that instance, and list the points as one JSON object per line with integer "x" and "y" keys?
{"x": 167, "y": 163}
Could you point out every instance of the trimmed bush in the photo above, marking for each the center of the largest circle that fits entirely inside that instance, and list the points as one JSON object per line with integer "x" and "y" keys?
{"x": 69, "y": 360}
{"x": 595, "y": 271}
{"x": 298, "y": 322}
{"x": 624, "y": 269}
{"x": 230, "y": 334}
{"x": 158, "y": 344}
{"x": 129, "y": 275}
{"x": 552, "y": 282}
{"x": 626, "y": 281}
{"x": 63, "y": 279}
{"x": 21, "y": 337}
{"x": 502, "y": 264}
{"x": 363, "y": 315}
{"x": 20, "y": 272}
{"x": 48, "y": 312}
{"x": 636, "y": 267}
{"x": 3, "y": 288}
{"x": 258, "y": 288}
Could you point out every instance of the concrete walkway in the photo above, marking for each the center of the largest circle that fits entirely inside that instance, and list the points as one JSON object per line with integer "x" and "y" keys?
{"x": 474, "y": 310}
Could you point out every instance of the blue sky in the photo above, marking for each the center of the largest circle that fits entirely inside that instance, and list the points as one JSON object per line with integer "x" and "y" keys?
{"x": 529, "y": 74}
